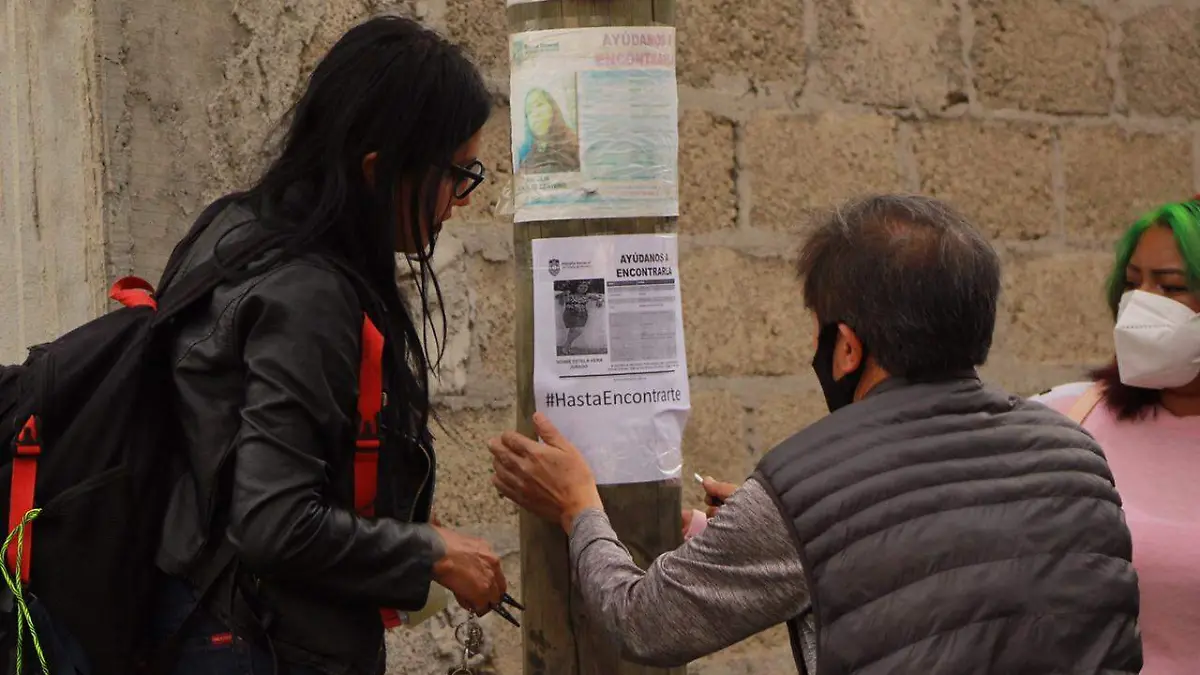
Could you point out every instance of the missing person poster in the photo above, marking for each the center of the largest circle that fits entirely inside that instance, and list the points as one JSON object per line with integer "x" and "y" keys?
{"x": 595, "y": 129}
{"x": 610, "y": 369}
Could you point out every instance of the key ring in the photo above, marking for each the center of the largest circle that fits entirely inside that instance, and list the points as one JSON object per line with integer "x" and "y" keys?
{"x": 472, "y": 643}
{"x": 473, "y": 631}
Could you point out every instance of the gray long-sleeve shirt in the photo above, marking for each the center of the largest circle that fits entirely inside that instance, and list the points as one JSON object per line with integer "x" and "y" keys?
{"x": 738, "y": 577}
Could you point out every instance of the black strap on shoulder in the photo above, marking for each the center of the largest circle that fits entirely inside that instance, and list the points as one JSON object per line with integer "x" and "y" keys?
{"x": 179, "y": 289}
{"x": 206, "y": 217}
{"x": 198, "y": 282}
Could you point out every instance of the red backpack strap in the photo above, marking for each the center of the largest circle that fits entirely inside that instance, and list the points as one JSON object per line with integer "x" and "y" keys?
{"x": 366, "y": 446}
{"x": 370, "y": 403}
{"x": 27, "y": 447}
{"x": 391, "y": 618}
{"x": 133, "y": 292}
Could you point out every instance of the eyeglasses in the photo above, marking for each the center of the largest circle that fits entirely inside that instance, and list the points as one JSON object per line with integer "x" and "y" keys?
{"x": 467, "y": 178}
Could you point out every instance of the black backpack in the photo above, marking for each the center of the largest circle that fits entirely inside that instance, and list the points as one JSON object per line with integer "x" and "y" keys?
{"x": 85, "y": 481}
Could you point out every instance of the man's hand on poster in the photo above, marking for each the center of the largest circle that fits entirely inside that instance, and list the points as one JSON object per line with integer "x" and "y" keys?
{"x": 550, "y": 479}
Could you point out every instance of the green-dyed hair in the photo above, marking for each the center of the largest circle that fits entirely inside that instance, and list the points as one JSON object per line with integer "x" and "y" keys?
{"x": 1184, "y": 220}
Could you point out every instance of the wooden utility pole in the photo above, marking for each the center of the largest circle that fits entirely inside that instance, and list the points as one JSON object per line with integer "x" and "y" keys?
{"x": 646, "y": 516}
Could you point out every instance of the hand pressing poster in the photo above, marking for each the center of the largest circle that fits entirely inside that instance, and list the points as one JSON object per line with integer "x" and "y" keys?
{"x": 610, "y": 369}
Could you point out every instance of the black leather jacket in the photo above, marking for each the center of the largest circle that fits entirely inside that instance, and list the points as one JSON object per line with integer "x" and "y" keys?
{"x": 266, "y": 376}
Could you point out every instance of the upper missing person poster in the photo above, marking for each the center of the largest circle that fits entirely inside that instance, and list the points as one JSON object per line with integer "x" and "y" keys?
{"x": 595, "y": 129}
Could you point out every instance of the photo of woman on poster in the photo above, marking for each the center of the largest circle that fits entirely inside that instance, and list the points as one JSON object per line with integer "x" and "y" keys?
{"x": 576, "y": 298}
{"x": 550, "y": 144}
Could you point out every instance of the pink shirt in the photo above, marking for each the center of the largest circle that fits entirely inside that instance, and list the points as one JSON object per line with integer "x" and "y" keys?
{"x": 1156, "y": 464}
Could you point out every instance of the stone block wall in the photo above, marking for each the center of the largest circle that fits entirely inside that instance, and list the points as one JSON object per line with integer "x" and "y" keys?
{"x": 1051, "y": 122}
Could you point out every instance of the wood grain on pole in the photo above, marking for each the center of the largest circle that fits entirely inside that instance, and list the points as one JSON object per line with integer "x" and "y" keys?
{"x": 646, "y": 516}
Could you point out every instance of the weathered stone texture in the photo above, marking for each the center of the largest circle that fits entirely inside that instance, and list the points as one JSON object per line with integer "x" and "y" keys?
{"x": 707, "y": 200}
{"x": 206, "y": 90}
{"x": 754, "y": 41}
{"x": 491, "y": 287}
{"x": 1112, "y": 177}
{"x": 264, "y": 71}
{"x": 782, "y": 412}
{"x": 999, "y": 175}
{"x": 1053, "y": 310}
{"x": 801, "y": 164}
{"x": 897, "y": 54}
{"x": 1045, "y": 55}
{"x": 1160, "y": 62}
{"x": 52, "y": 245}
{"x": 173, "y": 62}
{"x": 465, "y": 494}
{"x": 481, "y": 27}
{"x": 714, "y": 443}
{"x": 742, "y": 315}
{"x": 1026, "y": 379}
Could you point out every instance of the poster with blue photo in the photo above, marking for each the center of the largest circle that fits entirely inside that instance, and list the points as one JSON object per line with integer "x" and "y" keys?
{"x": 594, "y": 123}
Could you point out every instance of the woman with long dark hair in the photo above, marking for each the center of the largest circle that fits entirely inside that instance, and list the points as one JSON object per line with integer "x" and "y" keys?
{"x": 268, "y": 561}
{"x": 1144, "y": 408}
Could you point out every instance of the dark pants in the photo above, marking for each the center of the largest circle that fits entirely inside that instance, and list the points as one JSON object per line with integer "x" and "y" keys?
{"x": 207, "y": 647}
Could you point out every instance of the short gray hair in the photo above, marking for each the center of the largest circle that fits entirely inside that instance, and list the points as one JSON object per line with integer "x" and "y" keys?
{"x": 911, "y": 275}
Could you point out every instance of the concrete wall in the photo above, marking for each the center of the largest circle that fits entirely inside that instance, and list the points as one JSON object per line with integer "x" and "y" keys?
{"x": 51, "y": 251}
{"x": 1052, "y": 122}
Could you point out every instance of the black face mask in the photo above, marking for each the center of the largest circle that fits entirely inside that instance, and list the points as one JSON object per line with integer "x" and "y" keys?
{"x": 838, "y": 393}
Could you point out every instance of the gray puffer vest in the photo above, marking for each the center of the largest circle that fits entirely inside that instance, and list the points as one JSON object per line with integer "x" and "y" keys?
{"x": 949, "y": 529}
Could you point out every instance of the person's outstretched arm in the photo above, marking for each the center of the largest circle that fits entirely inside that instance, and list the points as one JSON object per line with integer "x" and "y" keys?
{"x": 738, "y": 577}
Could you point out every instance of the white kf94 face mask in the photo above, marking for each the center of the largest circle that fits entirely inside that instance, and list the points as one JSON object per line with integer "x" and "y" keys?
{"x": 1157, "y": 341}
